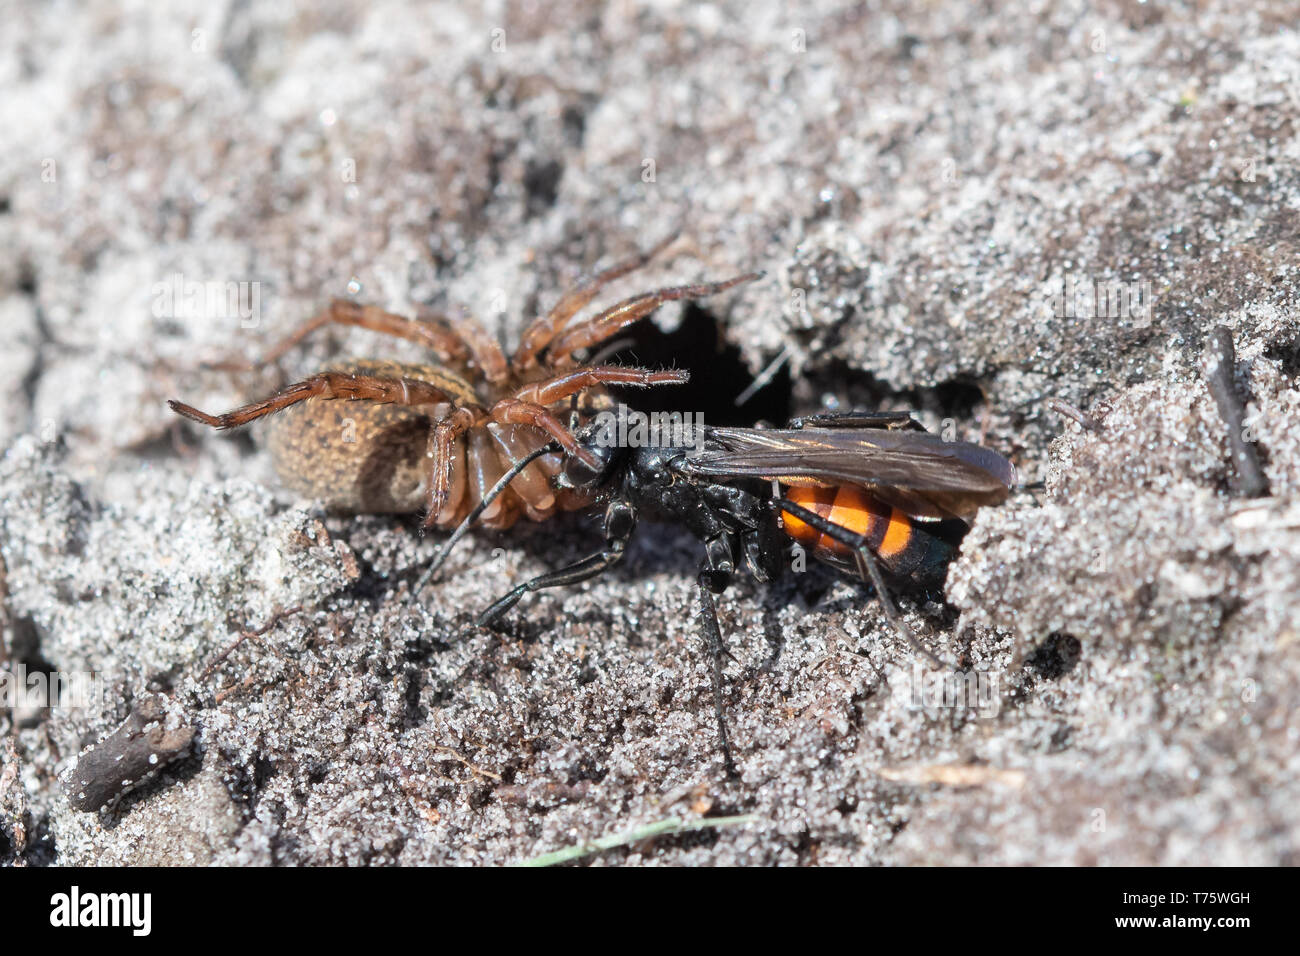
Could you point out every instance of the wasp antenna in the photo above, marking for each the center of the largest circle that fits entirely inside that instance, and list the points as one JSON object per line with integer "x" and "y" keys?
{"x": 441, "y": 557}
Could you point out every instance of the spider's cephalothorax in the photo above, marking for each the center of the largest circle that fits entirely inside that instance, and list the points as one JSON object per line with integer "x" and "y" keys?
{"x": 441, "y": 436}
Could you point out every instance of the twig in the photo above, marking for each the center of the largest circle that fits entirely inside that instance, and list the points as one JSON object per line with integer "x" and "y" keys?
{"x": 276, "y": 617}
{"x": 467, "y": 762}
{"x": 667, "y": 826}
{"x": 762, "y": 378}
{"x": 1062, "y": 407}
{"x": 8, "y": 777}
{"x": 1220, "y": 364}
{"x": 127, "y": 757}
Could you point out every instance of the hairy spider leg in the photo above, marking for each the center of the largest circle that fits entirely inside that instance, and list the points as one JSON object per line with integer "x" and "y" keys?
{"x": 542, "y": 330}
{"x": 448, "y": 343}
{"x": 324, "y": 385}
{"x": 604, "y": 325}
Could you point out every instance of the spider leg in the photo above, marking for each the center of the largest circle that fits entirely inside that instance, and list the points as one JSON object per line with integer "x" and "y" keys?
{"x": 441, "y": 441}
{"x": 323, "y": 385}
{"x": 620, "y": 522}
{"x": 540, "y": 332}
{"x": 449, "y": 344}
{"x": 611, "y": 348}
{"x": 868, "y": 570}
{"x": 511, "y": 411}
{"x": 484, "y": 349}
{"x": 552, "y": 390}
{"x": 600, "y": 327}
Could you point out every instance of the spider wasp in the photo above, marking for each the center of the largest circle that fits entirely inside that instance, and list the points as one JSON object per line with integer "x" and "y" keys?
{"x": 862, "y": 491}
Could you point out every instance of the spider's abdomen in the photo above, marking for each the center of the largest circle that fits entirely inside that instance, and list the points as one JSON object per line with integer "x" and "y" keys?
{"x": 367, "y": 458}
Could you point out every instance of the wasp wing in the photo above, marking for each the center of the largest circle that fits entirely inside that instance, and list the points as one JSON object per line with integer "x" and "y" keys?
{"x": 916, "y": 472}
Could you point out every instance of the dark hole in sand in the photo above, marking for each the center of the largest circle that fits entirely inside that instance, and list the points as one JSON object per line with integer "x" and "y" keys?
{"x": 718, "y": 374}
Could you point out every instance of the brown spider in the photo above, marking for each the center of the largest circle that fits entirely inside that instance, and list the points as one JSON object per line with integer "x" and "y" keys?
{"x": 459, "y": 426}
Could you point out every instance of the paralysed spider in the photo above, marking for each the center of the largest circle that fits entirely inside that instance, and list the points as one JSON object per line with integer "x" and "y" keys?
{"x": 442, "y": 436}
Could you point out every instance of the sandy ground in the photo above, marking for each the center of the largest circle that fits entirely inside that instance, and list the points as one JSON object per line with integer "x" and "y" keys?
{"x": 918, "y": 180}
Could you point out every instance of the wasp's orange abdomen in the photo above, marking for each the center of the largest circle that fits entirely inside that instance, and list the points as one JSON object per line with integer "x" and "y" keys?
{"x": 903, "y": 545}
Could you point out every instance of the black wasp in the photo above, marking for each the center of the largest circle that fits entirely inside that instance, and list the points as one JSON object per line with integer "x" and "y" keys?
{"x": 860, "y": 491}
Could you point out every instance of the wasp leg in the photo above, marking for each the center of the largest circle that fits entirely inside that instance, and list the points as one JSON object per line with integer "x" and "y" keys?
{"x": 620, "y": 522}
{"x": 760, "y": 537}
{"x": 902, "y": 420}
{"x": 868, "y": 570}
{"x": 715, "y": 574}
